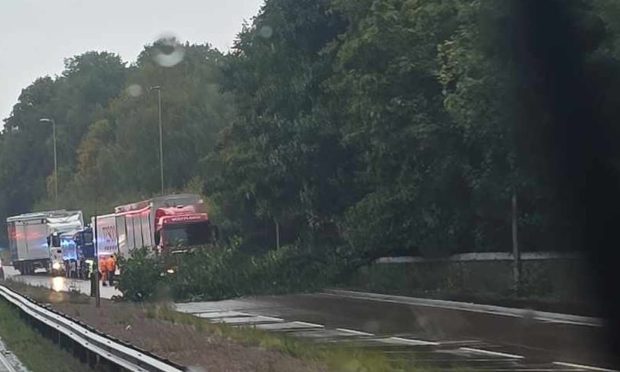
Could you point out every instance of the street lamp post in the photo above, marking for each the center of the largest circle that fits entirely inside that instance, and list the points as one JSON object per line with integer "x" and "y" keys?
{"x": 96, "y": 263}
{"x": 51, "y": 120}
{"x": 161, "y": 139}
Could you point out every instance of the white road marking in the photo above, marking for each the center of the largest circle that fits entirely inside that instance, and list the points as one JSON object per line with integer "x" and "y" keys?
{"x": 229, "y": 315}
{"x": 224, "y": 305}
{"x": 487, "y": 352}
{"x": 589, "y": 368}
{"x": 531, "y": 369}
{"x": 464, "y": 306}
{"x": 247, "y": 320}
{"x": 312, "y": 324}
{"x": 324, "y": 334}
{"x": 406, "y": 341}
{"x": 220, "y": 314}
{"x": 461, "y": 342}
{"x": 354, "y": 332}
{"x": 287, "y": 325}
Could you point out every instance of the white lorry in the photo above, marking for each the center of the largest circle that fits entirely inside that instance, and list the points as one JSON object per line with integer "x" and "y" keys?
{"x": 107, "y": 240}
{"x": 33, "y": 241}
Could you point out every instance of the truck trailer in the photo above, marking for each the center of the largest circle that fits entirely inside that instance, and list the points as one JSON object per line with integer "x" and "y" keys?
{"x": 34, "y": 239}
{"x": 167, "y": 224}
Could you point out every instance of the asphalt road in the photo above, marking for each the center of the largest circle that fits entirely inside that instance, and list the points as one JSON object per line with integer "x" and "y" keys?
{"x": 445, "y": 335}
{"x": 59, "y": 283}
{"x": 437, "y": 333}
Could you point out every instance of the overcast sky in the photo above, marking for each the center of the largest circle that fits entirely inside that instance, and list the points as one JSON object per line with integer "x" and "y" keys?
{"x": 36, "y": 35}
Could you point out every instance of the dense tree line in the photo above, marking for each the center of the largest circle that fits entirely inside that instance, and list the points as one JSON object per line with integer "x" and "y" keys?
{"x": 107, "y": 132}
{"x": 365, "y": 128}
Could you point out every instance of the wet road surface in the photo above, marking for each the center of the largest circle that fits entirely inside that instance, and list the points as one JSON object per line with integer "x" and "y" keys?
{"x": 433, "y": 334}
{"x": 439, "y": 334}
{"x": 59, "y": 283}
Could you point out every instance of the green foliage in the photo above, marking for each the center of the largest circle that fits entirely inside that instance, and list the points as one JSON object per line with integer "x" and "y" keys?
{"x": 75, "y": 99}
{"x": 354, "y": 129}
{"x": 213, "y": 274}
{"x": 281, "y": 161}
{"x": 142, "y": 277}
{"x": 107, "y": 135}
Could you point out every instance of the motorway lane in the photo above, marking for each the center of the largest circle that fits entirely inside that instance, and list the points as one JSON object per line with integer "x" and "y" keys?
{"x": 448, "y": 336}
{"x": 59, "y": 283}
{"x": 441, "y": 336}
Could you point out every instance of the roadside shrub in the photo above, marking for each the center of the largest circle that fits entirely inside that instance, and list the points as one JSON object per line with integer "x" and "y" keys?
{"x": 211, "y": 273}
{"x": 292, "y": 269}
{"x": 223, "y": 273}
{"x": 142, "y": 276}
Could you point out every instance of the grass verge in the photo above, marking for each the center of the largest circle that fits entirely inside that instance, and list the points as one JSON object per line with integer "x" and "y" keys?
{"x": 35, "y": 351}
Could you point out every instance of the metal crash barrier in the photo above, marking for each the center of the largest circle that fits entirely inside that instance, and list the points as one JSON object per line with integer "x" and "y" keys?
{"x": 92, "y": 346}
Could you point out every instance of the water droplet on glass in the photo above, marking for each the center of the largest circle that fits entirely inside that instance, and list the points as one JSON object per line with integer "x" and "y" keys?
{"x": 134, "y": 90}
{"x": 168, "y": 51}
{"x": 266, "y": 32}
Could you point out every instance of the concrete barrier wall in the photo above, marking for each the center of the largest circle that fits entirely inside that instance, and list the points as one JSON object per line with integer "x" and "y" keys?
{"x": 544, "y": 275}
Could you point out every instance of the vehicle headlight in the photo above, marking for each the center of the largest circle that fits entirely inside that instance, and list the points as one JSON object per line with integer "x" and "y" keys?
{"x": 56, "y": 266}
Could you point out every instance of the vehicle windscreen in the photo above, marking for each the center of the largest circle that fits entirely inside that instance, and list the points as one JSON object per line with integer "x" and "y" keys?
{"x": 69, "y": 251}
{"x": 186, "y": 234}
{"x": 87, "y": 237}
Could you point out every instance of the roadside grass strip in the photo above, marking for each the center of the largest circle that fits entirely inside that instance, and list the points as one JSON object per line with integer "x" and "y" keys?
{"x": 36, "y": 352}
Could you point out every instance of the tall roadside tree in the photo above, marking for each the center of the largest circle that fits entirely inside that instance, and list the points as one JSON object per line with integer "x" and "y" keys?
{"x": 280, "y": 165}
{"x": 193, "y": 112}
{"x": 25, "y": 149}
{"x": 73, "y": 99}
{"x": 415, "y": 194}
{"x": 87, "y": 84}
{"x": 118, "y": 157}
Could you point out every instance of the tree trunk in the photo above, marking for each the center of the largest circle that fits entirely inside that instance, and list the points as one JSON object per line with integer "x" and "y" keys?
{"x": 277, "y": 234}
{"x": 516, "y": 268}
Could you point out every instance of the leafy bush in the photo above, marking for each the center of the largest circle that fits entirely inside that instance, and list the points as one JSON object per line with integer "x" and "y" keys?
{"x": 141, "y": 277}
{"x": 217, "y": 273}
